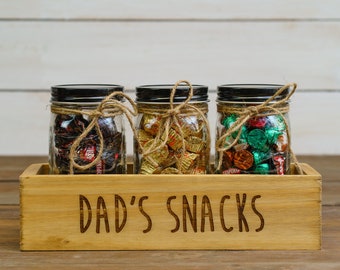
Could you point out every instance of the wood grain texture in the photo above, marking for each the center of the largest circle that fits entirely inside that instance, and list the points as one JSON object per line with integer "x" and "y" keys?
{"x": 27, "y": 62}
{"x": 134, "y": 53}
{"x": 182, "y": 212}
{"x": 328, "y": 258}
{"x": 132, "y": 43}
{"x": 312, "y": 115}
{"x": 12, "y": 167}
{"x": 11, "y": 257}
{"x": 177, "y": 9}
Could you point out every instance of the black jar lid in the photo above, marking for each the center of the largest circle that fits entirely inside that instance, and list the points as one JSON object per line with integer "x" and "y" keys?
{"x": 249, "y": 92}
{"x": 161, "y": 93}
{"x": 83, "y": 92}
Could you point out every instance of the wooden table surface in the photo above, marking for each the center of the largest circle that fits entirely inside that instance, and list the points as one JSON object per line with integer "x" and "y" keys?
{"x": 12, "y": 258}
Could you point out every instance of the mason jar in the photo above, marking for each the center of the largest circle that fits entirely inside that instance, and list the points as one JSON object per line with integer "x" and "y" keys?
{"x": 172, "y": 130}
{"x": 253, "y": 133}
{"x": 83, "y": 140}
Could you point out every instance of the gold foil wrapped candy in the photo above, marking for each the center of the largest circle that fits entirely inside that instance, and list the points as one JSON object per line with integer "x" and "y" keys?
{"x": 151, "y": 123}
{"x": 170, "y": 170}
{"x": 194, "y": 144}
{"x": 157, "y": 156}
{"x": 175, "y": 141}
{"x": 173, "y": 132}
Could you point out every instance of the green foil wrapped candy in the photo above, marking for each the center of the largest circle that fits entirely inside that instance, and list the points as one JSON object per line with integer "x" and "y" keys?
{"x": 263, "y": 168}
{"x": 257, "y": 139}
{"x": 229, "y": 121}
{"x": 260, "y": 157}
{"x": 272, "y": 133}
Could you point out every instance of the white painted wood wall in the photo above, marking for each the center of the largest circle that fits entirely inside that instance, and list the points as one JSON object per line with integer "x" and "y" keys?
{"x": 210, "y": 42}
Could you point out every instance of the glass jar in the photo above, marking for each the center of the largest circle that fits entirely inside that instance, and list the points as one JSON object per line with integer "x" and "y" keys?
{"x": 83, "y": 138}
{"x": 253, "y": 135}
{"x": 172, "y": 130}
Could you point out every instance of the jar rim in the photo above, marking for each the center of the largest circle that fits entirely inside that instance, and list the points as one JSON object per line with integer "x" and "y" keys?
{"x": 160, "y": 93}
{"x": 249, "y": 93}
{"x": 83, "y": 93}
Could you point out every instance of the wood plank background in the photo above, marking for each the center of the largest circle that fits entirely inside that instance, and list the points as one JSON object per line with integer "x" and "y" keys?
{"x": 138, "y": 42}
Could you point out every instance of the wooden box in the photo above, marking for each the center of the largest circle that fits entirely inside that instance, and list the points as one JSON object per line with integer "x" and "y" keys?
{"x": 170, "y": 212}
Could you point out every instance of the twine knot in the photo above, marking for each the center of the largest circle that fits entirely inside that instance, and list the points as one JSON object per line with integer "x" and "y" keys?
{"x": 251, "y": 111}
{"x": 170, "y": 118}
{"x": 268, "y": 107}
{"x": 111, "y": 106}
{"x": 171, "y": 113}
{"x": 96, "y": 114}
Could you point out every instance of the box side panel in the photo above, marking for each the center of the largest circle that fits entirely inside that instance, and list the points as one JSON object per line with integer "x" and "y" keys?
{"x": 169, "y": 212}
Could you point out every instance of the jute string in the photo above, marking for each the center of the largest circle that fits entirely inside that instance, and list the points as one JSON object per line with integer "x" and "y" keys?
{"x": 268, "y": 107}
{"x": 170, "y": 117}
{"x": 109, "y": 107}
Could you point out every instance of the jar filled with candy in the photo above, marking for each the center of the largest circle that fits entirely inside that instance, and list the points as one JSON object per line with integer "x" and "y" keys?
{"x": 87, "y": 134}
{"x": 172, "y": 129}
{"x": 253, "y": 135}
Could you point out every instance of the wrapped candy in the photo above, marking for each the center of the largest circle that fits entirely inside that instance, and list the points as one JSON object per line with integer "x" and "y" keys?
{"x": 71, "y": 119}
{"x": 173, "y": 133}
{"x": 252, "y": 130}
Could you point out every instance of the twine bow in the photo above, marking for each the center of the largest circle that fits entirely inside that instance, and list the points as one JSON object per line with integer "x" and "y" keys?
{"x": 171, "y": 117}
{"x": 109, "y": 107}
{"x": 268, "y": 107}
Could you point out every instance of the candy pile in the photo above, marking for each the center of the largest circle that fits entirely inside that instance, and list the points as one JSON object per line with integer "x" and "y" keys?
{"x": 262, "y": 147}
{"x": 185, "y": 151}
{"x": 68, "y": 127}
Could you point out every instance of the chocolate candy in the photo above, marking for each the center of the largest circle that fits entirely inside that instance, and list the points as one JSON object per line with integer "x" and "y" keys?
{"x": 281, "y": 143}
{"x": 257, "y": 122}
{"x": 257, "y": 148}
{"x": 232, "y": 171}
{"x": 144, "y": 137}
{"x": 194, "y": 144}
{"x": 169, "y": 158}
{"x": 272, "y": 134}
{"x": 197, "y": 170}
{"x": 229, "y": 121}
{"x": 252, "y": 132}
{"x": 257, "y": 139}
{"x": 69, "y": 127}
{"x": 190, "y": 125}
{"x": 263, "y": 168}
{"x": 174, "y": 139}
{"x": 228, "y": 158}
{"x": 170, "y": 170}
{"x": 175, "y": 115}
{"x": 148, "y": 168}
{"x": 186, "y": 162}
{"x": 279, "y": 161}
{"x": 280, "y": 123}
{"x": 151, "y": 123}
{"x": 241, "y": 146}
{"x": 243, "y": 159}
{"x": 87, "y": 126}
{"x": 157, "y": 156}
{"x": 188, "y": 136}
{"x": 260, "y": 157}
